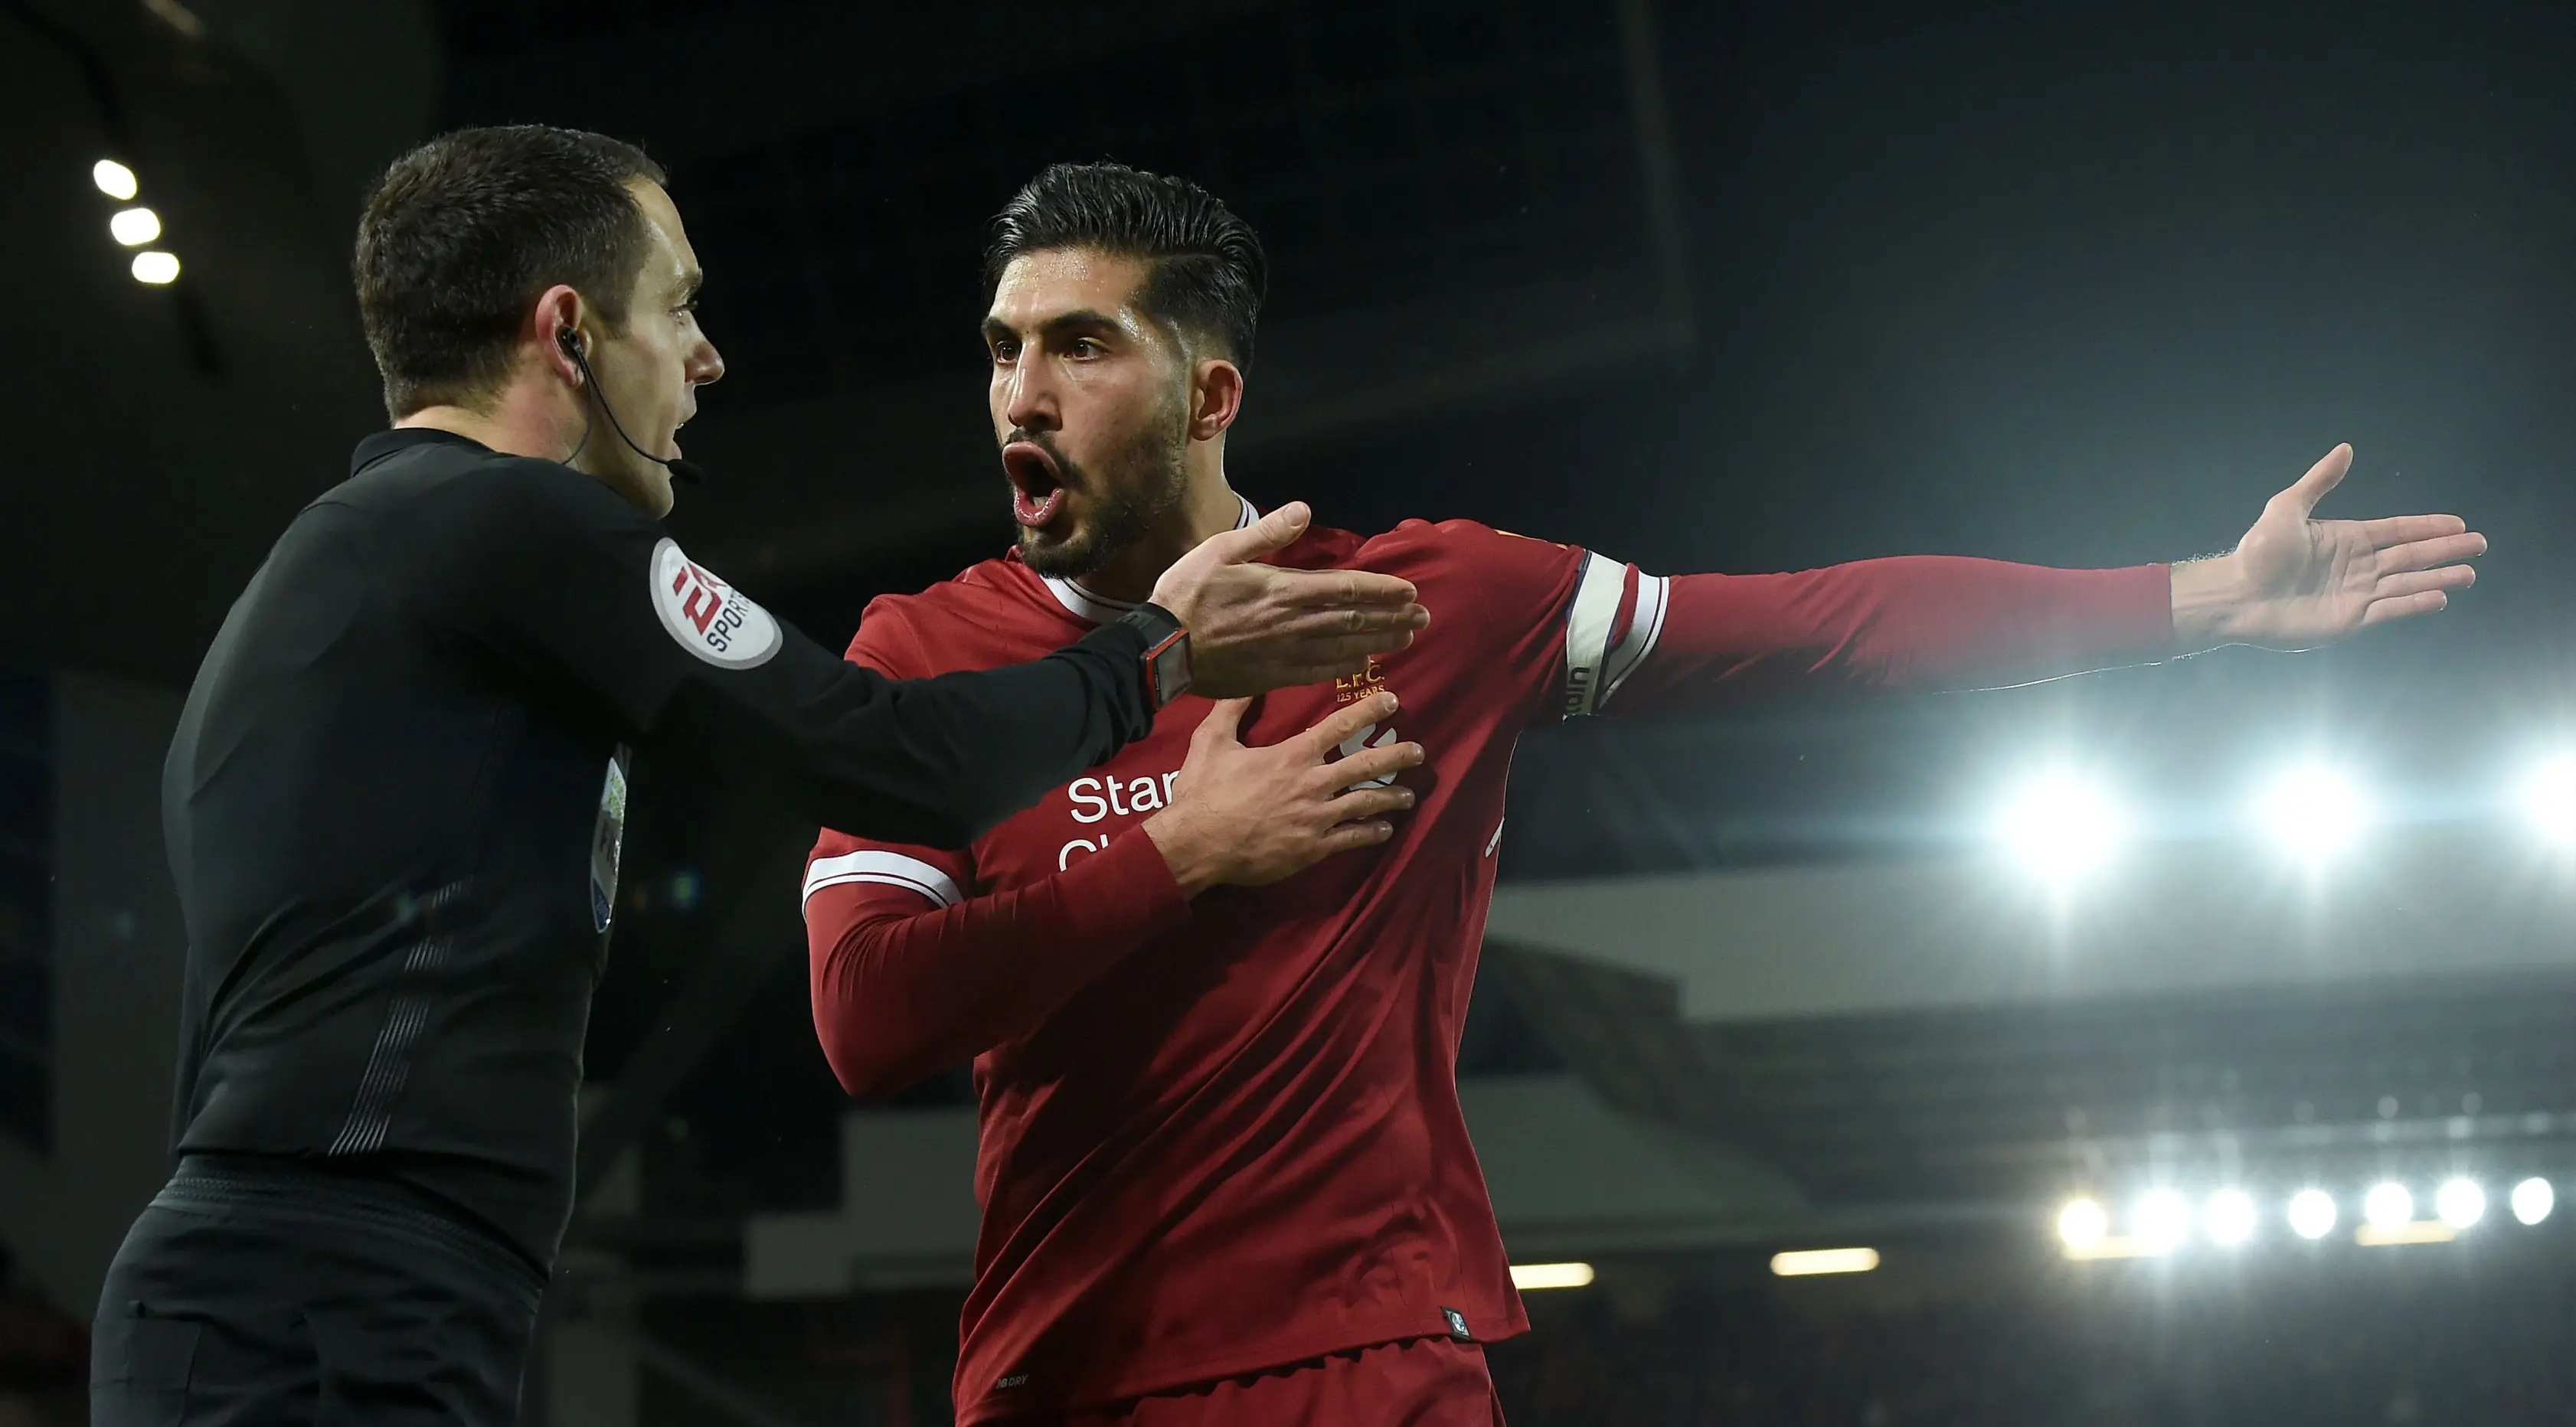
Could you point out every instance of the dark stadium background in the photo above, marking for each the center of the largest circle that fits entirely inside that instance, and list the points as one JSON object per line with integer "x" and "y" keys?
{"x": 1703, "y": 286}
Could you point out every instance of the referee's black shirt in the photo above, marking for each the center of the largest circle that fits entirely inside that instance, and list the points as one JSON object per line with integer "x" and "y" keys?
{"x": 396, "y": 795}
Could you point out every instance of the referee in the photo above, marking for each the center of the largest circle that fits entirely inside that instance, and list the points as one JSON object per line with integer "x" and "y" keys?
{"x": 395, "y": 800}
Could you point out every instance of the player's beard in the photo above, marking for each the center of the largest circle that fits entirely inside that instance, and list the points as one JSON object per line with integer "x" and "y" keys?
{"x": 1138, "y": 488}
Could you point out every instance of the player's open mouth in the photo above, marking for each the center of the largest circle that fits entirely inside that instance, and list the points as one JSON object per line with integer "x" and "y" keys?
{"x": 1037, "y": 486}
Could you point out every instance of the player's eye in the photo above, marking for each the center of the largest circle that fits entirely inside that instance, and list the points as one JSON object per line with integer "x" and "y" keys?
{"x": 1085, "y": 347}
{"x": 1006, "y": 351}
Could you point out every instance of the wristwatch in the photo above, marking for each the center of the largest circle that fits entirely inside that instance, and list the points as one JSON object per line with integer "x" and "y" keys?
{"x": 1167, "y": 653}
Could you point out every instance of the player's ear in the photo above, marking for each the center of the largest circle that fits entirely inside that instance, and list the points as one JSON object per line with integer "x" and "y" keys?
{"x": 1216, "y": 397}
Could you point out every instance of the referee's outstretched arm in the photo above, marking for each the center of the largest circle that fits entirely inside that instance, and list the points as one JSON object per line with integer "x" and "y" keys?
{"x": 564, "y": 584}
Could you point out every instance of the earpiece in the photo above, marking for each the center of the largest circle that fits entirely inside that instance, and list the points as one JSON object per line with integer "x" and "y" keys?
{"x": 570, "y": 341}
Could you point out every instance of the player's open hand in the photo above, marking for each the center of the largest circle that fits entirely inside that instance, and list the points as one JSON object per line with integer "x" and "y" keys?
{"x": 1247, "y": 817}
{"x": 2295, "y": 581}
{"x": 1254, "y": 627}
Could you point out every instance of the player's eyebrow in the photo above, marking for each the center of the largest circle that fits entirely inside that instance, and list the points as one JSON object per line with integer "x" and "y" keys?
{"x": 1080, "y": 321}
{"x": 690, "y": 282}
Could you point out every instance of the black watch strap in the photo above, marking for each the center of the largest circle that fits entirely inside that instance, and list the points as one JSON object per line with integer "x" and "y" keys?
{"x": 1166, "y": 669}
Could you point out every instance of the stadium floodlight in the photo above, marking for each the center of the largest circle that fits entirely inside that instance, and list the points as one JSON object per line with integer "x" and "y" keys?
{"x": 134, "y": 227}
{"x": 2312, "y": 813}
{"x": 1530, "y": 1277}
{"x": 2549, "y": 800}
{"x": 2532, "y": 1200}
{"x": 2460, "y": 1202}
{"x": 2387, "y": 1206}
{"x": 2312, "y": 1213}
{"x": 114, "y": 179}
{"x": 156, "y": 268}
{"x": 2160, "y": 1219}
{"x": 2081, "y": 1224}
{"x": 1800, "y": 1263}
{"x": 2062, "y": 826}
{"x": 2228, "y": 1218}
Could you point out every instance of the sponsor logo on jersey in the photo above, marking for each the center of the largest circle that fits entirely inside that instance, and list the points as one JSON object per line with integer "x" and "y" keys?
{"x": 710, "y": 618}
{"x": 1103, "y": 796}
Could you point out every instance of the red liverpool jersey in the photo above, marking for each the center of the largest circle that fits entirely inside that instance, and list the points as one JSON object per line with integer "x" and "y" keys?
{"x": 1225, "y": 1135}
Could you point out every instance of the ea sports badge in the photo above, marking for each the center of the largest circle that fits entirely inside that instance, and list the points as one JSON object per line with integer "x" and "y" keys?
{"x": 710, "y": 618}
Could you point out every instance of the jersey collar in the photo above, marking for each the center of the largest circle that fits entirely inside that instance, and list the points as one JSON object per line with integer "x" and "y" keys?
{"x": 1101, "y": 609}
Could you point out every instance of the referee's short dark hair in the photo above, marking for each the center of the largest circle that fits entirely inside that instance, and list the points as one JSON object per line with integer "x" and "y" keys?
{"x": 1208, "y": 272}
{"x": 465, "y": 231}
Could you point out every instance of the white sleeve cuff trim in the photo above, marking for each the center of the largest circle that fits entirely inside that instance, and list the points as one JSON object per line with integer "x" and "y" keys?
{"x": 890, "y": 869}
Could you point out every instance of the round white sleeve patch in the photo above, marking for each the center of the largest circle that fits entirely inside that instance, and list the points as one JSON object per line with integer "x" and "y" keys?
{"x": 710, "y": 618}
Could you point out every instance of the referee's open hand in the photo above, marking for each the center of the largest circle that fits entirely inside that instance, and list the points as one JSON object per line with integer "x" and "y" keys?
{"x": 1247, "y": 817}
{"x": 1255, "y": 627}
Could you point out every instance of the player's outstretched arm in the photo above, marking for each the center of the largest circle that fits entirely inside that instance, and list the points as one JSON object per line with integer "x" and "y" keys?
{"x": 2295, "y": 582}
{"x": 902, "y": 989}
{"x": 1942, "y": 622}
{"x": 1255, "y": 627}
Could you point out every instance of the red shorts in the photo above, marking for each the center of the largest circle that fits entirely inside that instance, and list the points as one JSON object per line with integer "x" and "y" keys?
{"x": 1421, "y": 1382}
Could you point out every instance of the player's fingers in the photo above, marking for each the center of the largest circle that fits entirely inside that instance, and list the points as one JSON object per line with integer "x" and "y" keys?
{"x": 2322, "y": 477}
{"x": 1224, "y": 720}
{"x": 1363, "y": 803}
{"x": 2400, "y": 529}
{"x": 2416, "y": 582}
{"x": 1349, "y": 719}
{"x": 1351, "y": 837}
{"x": 1338, "y": 589}
{"x": 2425, "y": 554}
{"x": 2403, "y": 607}
{"x": 1370, "y": 764}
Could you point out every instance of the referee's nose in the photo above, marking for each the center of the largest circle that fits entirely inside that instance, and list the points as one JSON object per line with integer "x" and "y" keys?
{"x": 705, "y": 364}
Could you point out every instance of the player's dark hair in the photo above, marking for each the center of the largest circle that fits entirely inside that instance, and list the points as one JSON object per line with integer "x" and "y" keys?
{"x": 464, "y": 232}
{"x": 1209, "y": 273}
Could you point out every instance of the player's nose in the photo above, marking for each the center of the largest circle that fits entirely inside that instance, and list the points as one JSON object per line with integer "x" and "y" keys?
{"x": 1029, "y": 401}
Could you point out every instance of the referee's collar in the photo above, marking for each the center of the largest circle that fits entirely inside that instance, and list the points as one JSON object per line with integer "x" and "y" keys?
{"x": 1101, "y": 609}
{"x": 402, "y": 438}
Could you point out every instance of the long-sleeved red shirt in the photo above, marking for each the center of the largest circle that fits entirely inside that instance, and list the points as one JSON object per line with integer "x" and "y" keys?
{"x": 1223, "y": 1136}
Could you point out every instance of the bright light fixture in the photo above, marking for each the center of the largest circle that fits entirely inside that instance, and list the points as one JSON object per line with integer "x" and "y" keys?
{"x": 2532, "y": 1200}
{"x": 2387, "y": 1205}
{"x": 2160, "y": 1220}
{"x": 2081, "y": 1224}
{"x": 114, "y": 179}
{"x": 156, "y": 267}
{"x": 1803, "y": 1262}
{"x": 2062, "y": 826}
{"x": 1530, "y": 1277}
{"x": 2312, "y": 1213}
{"x": 2228, "y": 1218}
{"x": 2460, "y": 1202}
{"x": 2313, "y": 813}
{"x": 134, "y": 227}
{"x": 2398, "y": 1236}
{"x": 2549, "y": 800}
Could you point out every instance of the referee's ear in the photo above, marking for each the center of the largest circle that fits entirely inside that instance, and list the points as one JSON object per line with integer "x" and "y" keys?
{"x": 557, "y": 310}
{"x": 1216, "y": 397}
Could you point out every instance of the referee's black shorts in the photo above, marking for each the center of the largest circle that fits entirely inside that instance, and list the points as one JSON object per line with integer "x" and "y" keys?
{"x": 254, "y": 1293}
